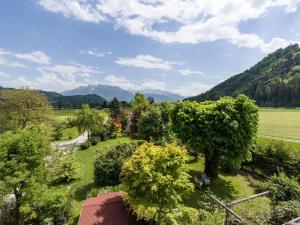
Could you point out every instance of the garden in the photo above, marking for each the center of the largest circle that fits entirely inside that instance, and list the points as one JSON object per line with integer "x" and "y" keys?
{"x": 170, "y": 159}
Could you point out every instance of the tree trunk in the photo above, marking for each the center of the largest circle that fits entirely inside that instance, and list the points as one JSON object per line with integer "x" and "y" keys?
{"x": 17, "y": 219}
{"x": 211, "y": 165}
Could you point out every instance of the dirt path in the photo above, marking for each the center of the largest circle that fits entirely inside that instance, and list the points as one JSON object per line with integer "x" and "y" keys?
{"x": 64, "y": 144}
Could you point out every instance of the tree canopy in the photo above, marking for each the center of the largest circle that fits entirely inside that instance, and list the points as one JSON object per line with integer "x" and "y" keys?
{"x": 224, "y": 128}
{"x": 90, "y": 120}
{"x": 156, "y": 180}
{"x": 19, "y": 108}
{"x": 22, "y": 166}
{"x": 139, "y": 102}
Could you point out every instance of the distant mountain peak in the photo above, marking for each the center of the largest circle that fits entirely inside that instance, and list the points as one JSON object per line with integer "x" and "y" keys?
{"x": 109, "y": 92}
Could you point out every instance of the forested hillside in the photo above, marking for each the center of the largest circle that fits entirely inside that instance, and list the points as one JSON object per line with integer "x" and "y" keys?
{"x": 274, "y": 81}
{"x": 60, "y": 101}
{"x": 76, "y": 101}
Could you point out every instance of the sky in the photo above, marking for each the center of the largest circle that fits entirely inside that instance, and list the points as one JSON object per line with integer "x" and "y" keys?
{"x": 183, "y": 46}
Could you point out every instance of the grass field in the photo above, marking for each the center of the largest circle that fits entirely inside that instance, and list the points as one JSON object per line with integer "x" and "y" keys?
{"x": 280, "y": 124}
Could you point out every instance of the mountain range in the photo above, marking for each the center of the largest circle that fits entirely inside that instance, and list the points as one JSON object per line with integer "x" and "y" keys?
{"x": 109, "y": 92}
{"x": 272, "y": 82}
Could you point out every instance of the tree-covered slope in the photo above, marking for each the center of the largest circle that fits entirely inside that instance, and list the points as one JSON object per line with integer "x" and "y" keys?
{"x": 60, "y": 101}
{"x": 274, "y": 81}
{"x": 75, "y": 101}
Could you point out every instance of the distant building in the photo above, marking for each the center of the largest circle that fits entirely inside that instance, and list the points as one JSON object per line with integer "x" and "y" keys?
{"x": 106, "y": 209}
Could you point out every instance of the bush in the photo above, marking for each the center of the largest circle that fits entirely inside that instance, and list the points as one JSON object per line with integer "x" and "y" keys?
{"x": 156, "y": 181}
{"x": 65, "y": 170}
{"x": 85, "y": 145}
{"x": 282, "y": 188}
{"x": 57, "y": 131}
{"x": 107, "y": 166}
{"x": 94, "y": 141}
{"x": 284, "y": 212}
{"x": 275, "y": 157}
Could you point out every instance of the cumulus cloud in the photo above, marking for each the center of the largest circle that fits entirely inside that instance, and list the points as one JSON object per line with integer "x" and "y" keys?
{"x": 192, "y": 89}
{"x": 93, "y": 52}
{"x": 38, "y": 57}
{"x": 147, "y": 62}
{"x": 133, "y": 85}
{"x": 4, "y": 62}
{"x": 186, "y": 72}
{"x": 198, "y": 21}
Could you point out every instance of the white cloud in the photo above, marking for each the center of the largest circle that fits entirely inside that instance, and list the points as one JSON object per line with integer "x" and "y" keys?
{"x": 71, "y": 70}
{"x": 148, "y": 62}
{"x": 133, "y": 85}
{"x": 192, "y": 89}
{"x": 186, "y": 72}
{"x": 198, "y": 21}
{"x": 4, "y": 75}
{"x": 4, "y": 62}
{"x": 120, "y": 82}
{"x": 78, "y": 9}
{"x": 93, "y": 53}
{"x": 153, "y": 84}
{"x": 38, "y": 57}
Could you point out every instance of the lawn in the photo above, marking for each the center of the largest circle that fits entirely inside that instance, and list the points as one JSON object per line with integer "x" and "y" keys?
{"x": 226, "y": 188}
{"x": 279, "y": 123}
{"x": 82, "y": 186}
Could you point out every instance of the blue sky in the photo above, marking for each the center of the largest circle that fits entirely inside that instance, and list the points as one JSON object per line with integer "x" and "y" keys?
{"x": 184, "y": 46}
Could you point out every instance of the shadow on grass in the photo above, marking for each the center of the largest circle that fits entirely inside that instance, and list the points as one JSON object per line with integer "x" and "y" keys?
{"x": 220, "y": 187}
{"x": 81, "y": 192}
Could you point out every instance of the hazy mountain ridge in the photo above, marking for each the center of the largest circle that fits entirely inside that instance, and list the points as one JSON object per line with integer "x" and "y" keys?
{"x": 274, "y": 81}
{"x": 109, "y": 92}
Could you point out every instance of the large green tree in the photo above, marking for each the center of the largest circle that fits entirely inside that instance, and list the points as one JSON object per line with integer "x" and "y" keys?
{"x": 90, "y": 120}
{"x": 22, "y": 167}
{"x": 19, "y": 108}
{"x": 139, "y": 102}
{"x": 156, "y": 179}
{"x": 154, "y": 124}
{"x": 224, "y": 128}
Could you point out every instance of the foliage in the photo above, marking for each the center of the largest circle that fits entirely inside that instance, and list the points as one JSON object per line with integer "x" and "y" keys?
{"x": 224, "y": 128}
{"x": 19, "y": 108}
{"x": 284, "y": 212}
{"x": 115, "y": 107}
{"x": 47, "y": 206}
{"x": 90, "y": 120}
{"x": 57, "y": 132}
{"x": 156, "y": 180}
{"x": 155, "y": 123}
{"x": 22, "y": 167}
{"x": 85, "y": 145}
{"x": 134, "y": 121}
{"x": 150, "y": 125}
{"x": 275, "y": 157}
{"x": 116, "y": 127}
{"x": 273, "y": 82}
{"x": 139, "y": 102}
{"x": 59, "y": 101}
{"x": 65, "y": 169}
{"x": 107, "y": 166}
{"x": 282, "y": 188}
